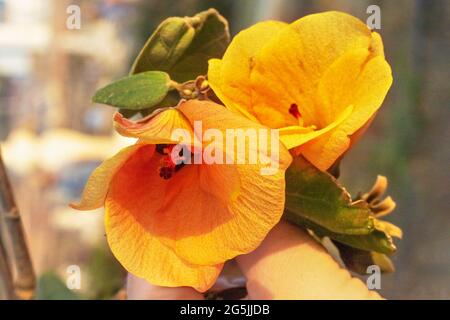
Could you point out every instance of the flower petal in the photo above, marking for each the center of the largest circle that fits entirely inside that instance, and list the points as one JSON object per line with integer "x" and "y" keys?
{"x": 376, "y": 46}
{"x": 368, "y": 81}
{"x": 288, "y": 69}
{"x": 304, "y": 65}
{"x": 230, "y": 76}
{"x": 296, "y": 136}
{"x": 156, "y": 128}
{"x": 208, "y": 213}
{"x": 228, "y": 225}
{"x": 354, "y": 79}
{"x": 131, "y": 216}
{"x": 97, "y": 186}
{"x": 215, "y": 117}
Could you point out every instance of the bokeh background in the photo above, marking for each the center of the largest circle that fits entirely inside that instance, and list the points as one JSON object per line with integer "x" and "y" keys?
{"x": 52, "y": 136}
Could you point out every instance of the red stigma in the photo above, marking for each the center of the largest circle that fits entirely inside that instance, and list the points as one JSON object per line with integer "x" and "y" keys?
{"x": 293, "y": 109}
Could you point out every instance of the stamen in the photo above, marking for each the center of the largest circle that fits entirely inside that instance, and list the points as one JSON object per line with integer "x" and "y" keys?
{"x": 293, "y": 109}
{"x": 165, "y": 173}
{"x": 160, "y": 148}
{"x": 168, "y": 167}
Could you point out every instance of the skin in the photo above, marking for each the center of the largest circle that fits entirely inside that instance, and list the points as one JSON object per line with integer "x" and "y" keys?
{"x": 289, "y": 264}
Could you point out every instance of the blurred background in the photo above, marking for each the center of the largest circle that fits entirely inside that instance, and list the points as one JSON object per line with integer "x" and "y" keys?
{"x": 52, "y": 136}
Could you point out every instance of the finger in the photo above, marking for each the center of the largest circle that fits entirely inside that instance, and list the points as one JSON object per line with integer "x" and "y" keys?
{"x": 290, "y": 264}
{"x": 139, "y": 289}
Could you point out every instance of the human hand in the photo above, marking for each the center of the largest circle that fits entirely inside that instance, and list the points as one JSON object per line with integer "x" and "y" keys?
{"x": 289, "y": 264}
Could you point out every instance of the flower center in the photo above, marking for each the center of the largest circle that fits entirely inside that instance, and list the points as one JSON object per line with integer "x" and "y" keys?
{"x": 168, "y": 167}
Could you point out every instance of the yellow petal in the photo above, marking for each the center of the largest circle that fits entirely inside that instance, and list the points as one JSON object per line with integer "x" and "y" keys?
{"x": 351, "y": 79}
{"x": 230, "y": 77}
{"x": 354, "y": 79}
{"x": 156, "y": 128}
{"x": 376, "y": 46}
{"x": 315, "y": 63}
{"x": 296, "y": 136}
{"x": 324, "y": 37}
{"x": 97, "y": 186}
{"x": 214, "y": 116}
{"x": 288, "y": 69}
{"x": 388, "y": 228}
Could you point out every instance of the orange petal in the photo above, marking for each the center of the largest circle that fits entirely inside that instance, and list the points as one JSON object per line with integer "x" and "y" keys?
{"x": 97, "y": 186}
{"x": 215, "y": 214}
{"x": 132, "y": 219}
{"x": 206, "y": 214}
{"x": 214, "y": 116}
{"x": 156, "y": 128}
{"x": 226, "y": 210}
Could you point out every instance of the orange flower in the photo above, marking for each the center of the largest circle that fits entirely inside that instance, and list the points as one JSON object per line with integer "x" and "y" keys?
{"x": 175, "y": 225}
{"x": 319, "y": 79}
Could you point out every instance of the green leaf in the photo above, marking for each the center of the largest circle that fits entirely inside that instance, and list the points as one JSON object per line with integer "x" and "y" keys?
{"x": 51, "y": 287}
{"x": 136, "y": 92}
{"x": 317, "y": 197}
{"x": 182, "y": 46}
{"x": 170, "y": 100}
{"x": 375, "y": 241}
{"x": 315, "y": 200}
{"x": 358, "y": 260}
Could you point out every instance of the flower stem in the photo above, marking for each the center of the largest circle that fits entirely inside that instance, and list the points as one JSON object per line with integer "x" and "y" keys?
{"x": 25, "y": 280}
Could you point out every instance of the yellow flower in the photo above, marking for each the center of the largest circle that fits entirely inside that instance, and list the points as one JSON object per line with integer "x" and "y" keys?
{"x": 175, "y": 225}
{"x": 319, "y": 80}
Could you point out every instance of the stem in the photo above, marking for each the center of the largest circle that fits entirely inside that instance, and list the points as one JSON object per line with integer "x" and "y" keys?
{"x": 6, "y": 284}
{"x": 25, "y": 281}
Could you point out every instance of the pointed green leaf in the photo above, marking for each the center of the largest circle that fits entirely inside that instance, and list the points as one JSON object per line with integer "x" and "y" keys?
{"x": 317, "y": 197}
{"x": 182, "y": 46}
{"x": 359, "y": 260}
{"x": 170, "y": 100}
{"x": 136, "y": 92}
{"x": 375, "y": 241}
{"x": 315, "y": 200}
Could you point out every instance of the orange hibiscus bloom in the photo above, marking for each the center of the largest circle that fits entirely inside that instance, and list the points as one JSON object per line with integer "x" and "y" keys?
{"x": 174, "y": 224}
{"x": 319, "y": 80}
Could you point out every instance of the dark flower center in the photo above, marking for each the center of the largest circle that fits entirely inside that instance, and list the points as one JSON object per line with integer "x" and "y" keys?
{"x": 168, "y": 167}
